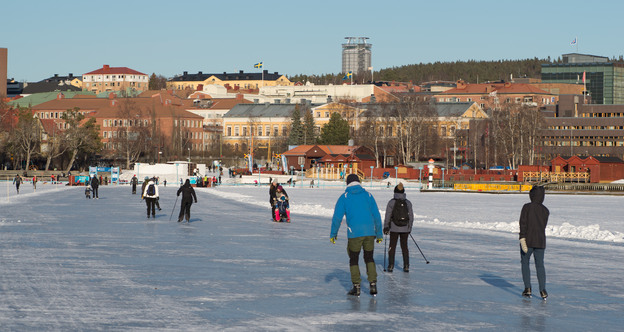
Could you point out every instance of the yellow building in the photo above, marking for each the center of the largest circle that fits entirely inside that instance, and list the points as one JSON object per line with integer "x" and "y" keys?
{"x": 231, "y": 81}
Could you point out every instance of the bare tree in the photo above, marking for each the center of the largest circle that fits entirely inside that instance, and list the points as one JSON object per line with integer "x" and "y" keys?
{"x": 27, "y": 135}
{"x": 414, "y": 117}
{"x": 133, "y": 133}
{"x": 81, "y": 135}
{"x": 53, "y": 145}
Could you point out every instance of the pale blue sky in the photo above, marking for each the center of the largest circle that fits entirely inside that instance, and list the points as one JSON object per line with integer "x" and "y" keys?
{"x": 293, "y": 37}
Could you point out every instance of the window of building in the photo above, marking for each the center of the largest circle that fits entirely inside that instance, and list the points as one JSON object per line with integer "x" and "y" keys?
{"x": 275, "y": 130}
{"x": 259, "y": 130}
{"x": 229, "y": 131}
{"x": 244, "y": 131}
{"x": 236, "y": 131}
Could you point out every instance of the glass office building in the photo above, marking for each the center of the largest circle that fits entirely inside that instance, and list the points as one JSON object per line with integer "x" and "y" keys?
{"x": 356, "y": 55}
{"x": 604, "y": 80}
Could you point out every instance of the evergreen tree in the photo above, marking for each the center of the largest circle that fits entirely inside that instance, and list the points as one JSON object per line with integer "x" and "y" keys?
{"x": 296, "y": 129}
{"x": 336, "y": 131}
{"x": 309, "y": 134}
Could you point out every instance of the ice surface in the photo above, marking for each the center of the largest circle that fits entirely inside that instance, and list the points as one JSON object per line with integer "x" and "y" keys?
{"x": 72, "y": 264}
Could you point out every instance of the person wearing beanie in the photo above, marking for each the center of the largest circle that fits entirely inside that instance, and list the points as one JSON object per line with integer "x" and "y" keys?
{"x": 398, "y": 223}
{"x": 363, "y": 227}
{"x": 188, "y": 196}
{"x": 281, "y": 206}
{"x": 134, "y": 181}
{"x": 533, "y": 221}
{"x": 272, "y": 202}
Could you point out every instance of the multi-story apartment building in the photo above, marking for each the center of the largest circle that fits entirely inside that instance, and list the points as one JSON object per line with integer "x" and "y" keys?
{"x": 493, "y": 95}
{"x": 575, "y": 127}
{"x": 162, "y": 118}
{"x": 122, "y": 79}
{"x": 232, "y": 81}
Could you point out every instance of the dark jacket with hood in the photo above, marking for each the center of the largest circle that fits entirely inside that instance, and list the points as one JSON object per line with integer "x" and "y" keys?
{"x": 388, "y": 217}
{"x": 534, "y": 218}
{"x": 188, "y": 193}
{"x": 273, "y": 193}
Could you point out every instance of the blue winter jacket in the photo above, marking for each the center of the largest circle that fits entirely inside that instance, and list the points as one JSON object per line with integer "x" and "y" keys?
{"x": 360, "y": 208}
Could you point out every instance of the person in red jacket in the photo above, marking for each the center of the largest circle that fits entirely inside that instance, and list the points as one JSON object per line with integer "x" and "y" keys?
{"x": 533, "y": 221}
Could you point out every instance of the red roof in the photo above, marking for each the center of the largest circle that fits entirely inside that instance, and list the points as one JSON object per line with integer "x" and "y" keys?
{"x": 502, "y": 88}
{"x": 106, "y": 69}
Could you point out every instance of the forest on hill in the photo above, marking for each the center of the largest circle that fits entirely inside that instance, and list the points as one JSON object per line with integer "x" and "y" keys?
{"x": 470, "y": 71}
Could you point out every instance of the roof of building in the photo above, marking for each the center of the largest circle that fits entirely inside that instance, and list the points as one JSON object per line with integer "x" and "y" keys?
{"x": 103, "y": 107}
{"x": 452, "y": 109}
{"x": 609, "y": 159}
{"x": 447, "y": 109}
{"x": 240, "y": 76}
{"x": 57, "y": 78}
{"x": 260, "y": 110}
{"x": 328, "y": 149}
{"x": 498, "y": 88}
{"x": 106, "y": 69}
{"x": 38, "y": 98}
{"x": 49, "y": 86}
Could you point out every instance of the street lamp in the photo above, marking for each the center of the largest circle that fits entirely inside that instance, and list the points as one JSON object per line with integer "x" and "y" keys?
{"x": 159, "y": 154}
{"x": 442, "y": 177}
{"x": 396, "y": 175}
{"x": 189, "y": 157}
{"x": 302, "y": 176}
{"x": 371, "y": 176}
{"x": 420, "y": 176}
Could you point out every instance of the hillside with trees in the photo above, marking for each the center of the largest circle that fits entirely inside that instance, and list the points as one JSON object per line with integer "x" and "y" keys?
{"x": 470, "y": 71}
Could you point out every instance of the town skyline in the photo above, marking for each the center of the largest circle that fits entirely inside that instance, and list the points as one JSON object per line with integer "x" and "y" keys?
{"x": 165, "y": 39}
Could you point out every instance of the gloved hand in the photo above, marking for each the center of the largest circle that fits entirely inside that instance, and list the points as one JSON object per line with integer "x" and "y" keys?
{"x": 379, "y": 239}
{"x": 332, "y": 239}
{"x": 523, "y": 245}
{"x": 386, "y": 230}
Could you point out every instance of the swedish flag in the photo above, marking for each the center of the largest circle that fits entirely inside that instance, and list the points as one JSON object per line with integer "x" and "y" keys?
{"x": 347, "y": 76}
{"x": 258, "y": 65}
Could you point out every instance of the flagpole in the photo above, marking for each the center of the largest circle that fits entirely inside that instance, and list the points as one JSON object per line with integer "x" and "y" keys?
{"x": 576, "y": 38}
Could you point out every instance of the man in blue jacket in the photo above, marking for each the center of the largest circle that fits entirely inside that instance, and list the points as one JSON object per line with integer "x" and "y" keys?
{"x": 363, "y": 226}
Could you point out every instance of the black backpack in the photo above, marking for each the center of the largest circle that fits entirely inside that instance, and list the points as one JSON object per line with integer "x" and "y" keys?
{"x": 400, "y": 213}
{"x": 151, "y": 190}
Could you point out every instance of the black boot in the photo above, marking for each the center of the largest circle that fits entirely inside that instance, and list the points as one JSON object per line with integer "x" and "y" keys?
{"x": 406, "y": 264}
{"x": 406, "y": 268}
{"x": 355, "y": 291}
{"x": 527, "y": 292}
{"x": 544, "y": 294}
{"x": 390, "y": 267}
{"x": 373, "y": 288}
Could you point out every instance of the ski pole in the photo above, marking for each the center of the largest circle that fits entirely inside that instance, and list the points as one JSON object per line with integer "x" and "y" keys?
{"x": 385, "y": 244}
{"x": 419, "y": 248}
{"x": 174, "y": 204}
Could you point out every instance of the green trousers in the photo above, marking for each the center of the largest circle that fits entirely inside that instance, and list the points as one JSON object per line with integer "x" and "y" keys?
{"x": 367, "y": 244}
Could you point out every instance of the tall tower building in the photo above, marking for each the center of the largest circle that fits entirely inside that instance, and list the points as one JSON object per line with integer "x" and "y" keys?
{"x": 356, "y": 55}
{"x": 3, "y": 71}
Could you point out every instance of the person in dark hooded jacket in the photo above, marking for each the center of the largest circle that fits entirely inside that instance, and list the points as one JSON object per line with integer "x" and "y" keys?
{"x": 533, "y": 221}
{"x": 396, "y": 231}
{"x": 188, "y": 195}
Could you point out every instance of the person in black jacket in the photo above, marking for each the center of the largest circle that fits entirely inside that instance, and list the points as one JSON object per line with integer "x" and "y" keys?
{"x": 95, "y": 183}
{"x": 134, "y": 183}
{"x": 272, "y": 190}
{"x": 533, "y": 221}
{"x": 188, "y": 195}
{"x": 398, "y": 231}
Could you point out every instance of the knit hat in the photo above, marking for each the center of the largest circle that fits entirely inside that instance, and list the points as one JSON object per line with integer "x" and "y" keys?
{"x": 352, "y": 177}
{"x": 280, "y": 188}
{"x": 399, "y": 189}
